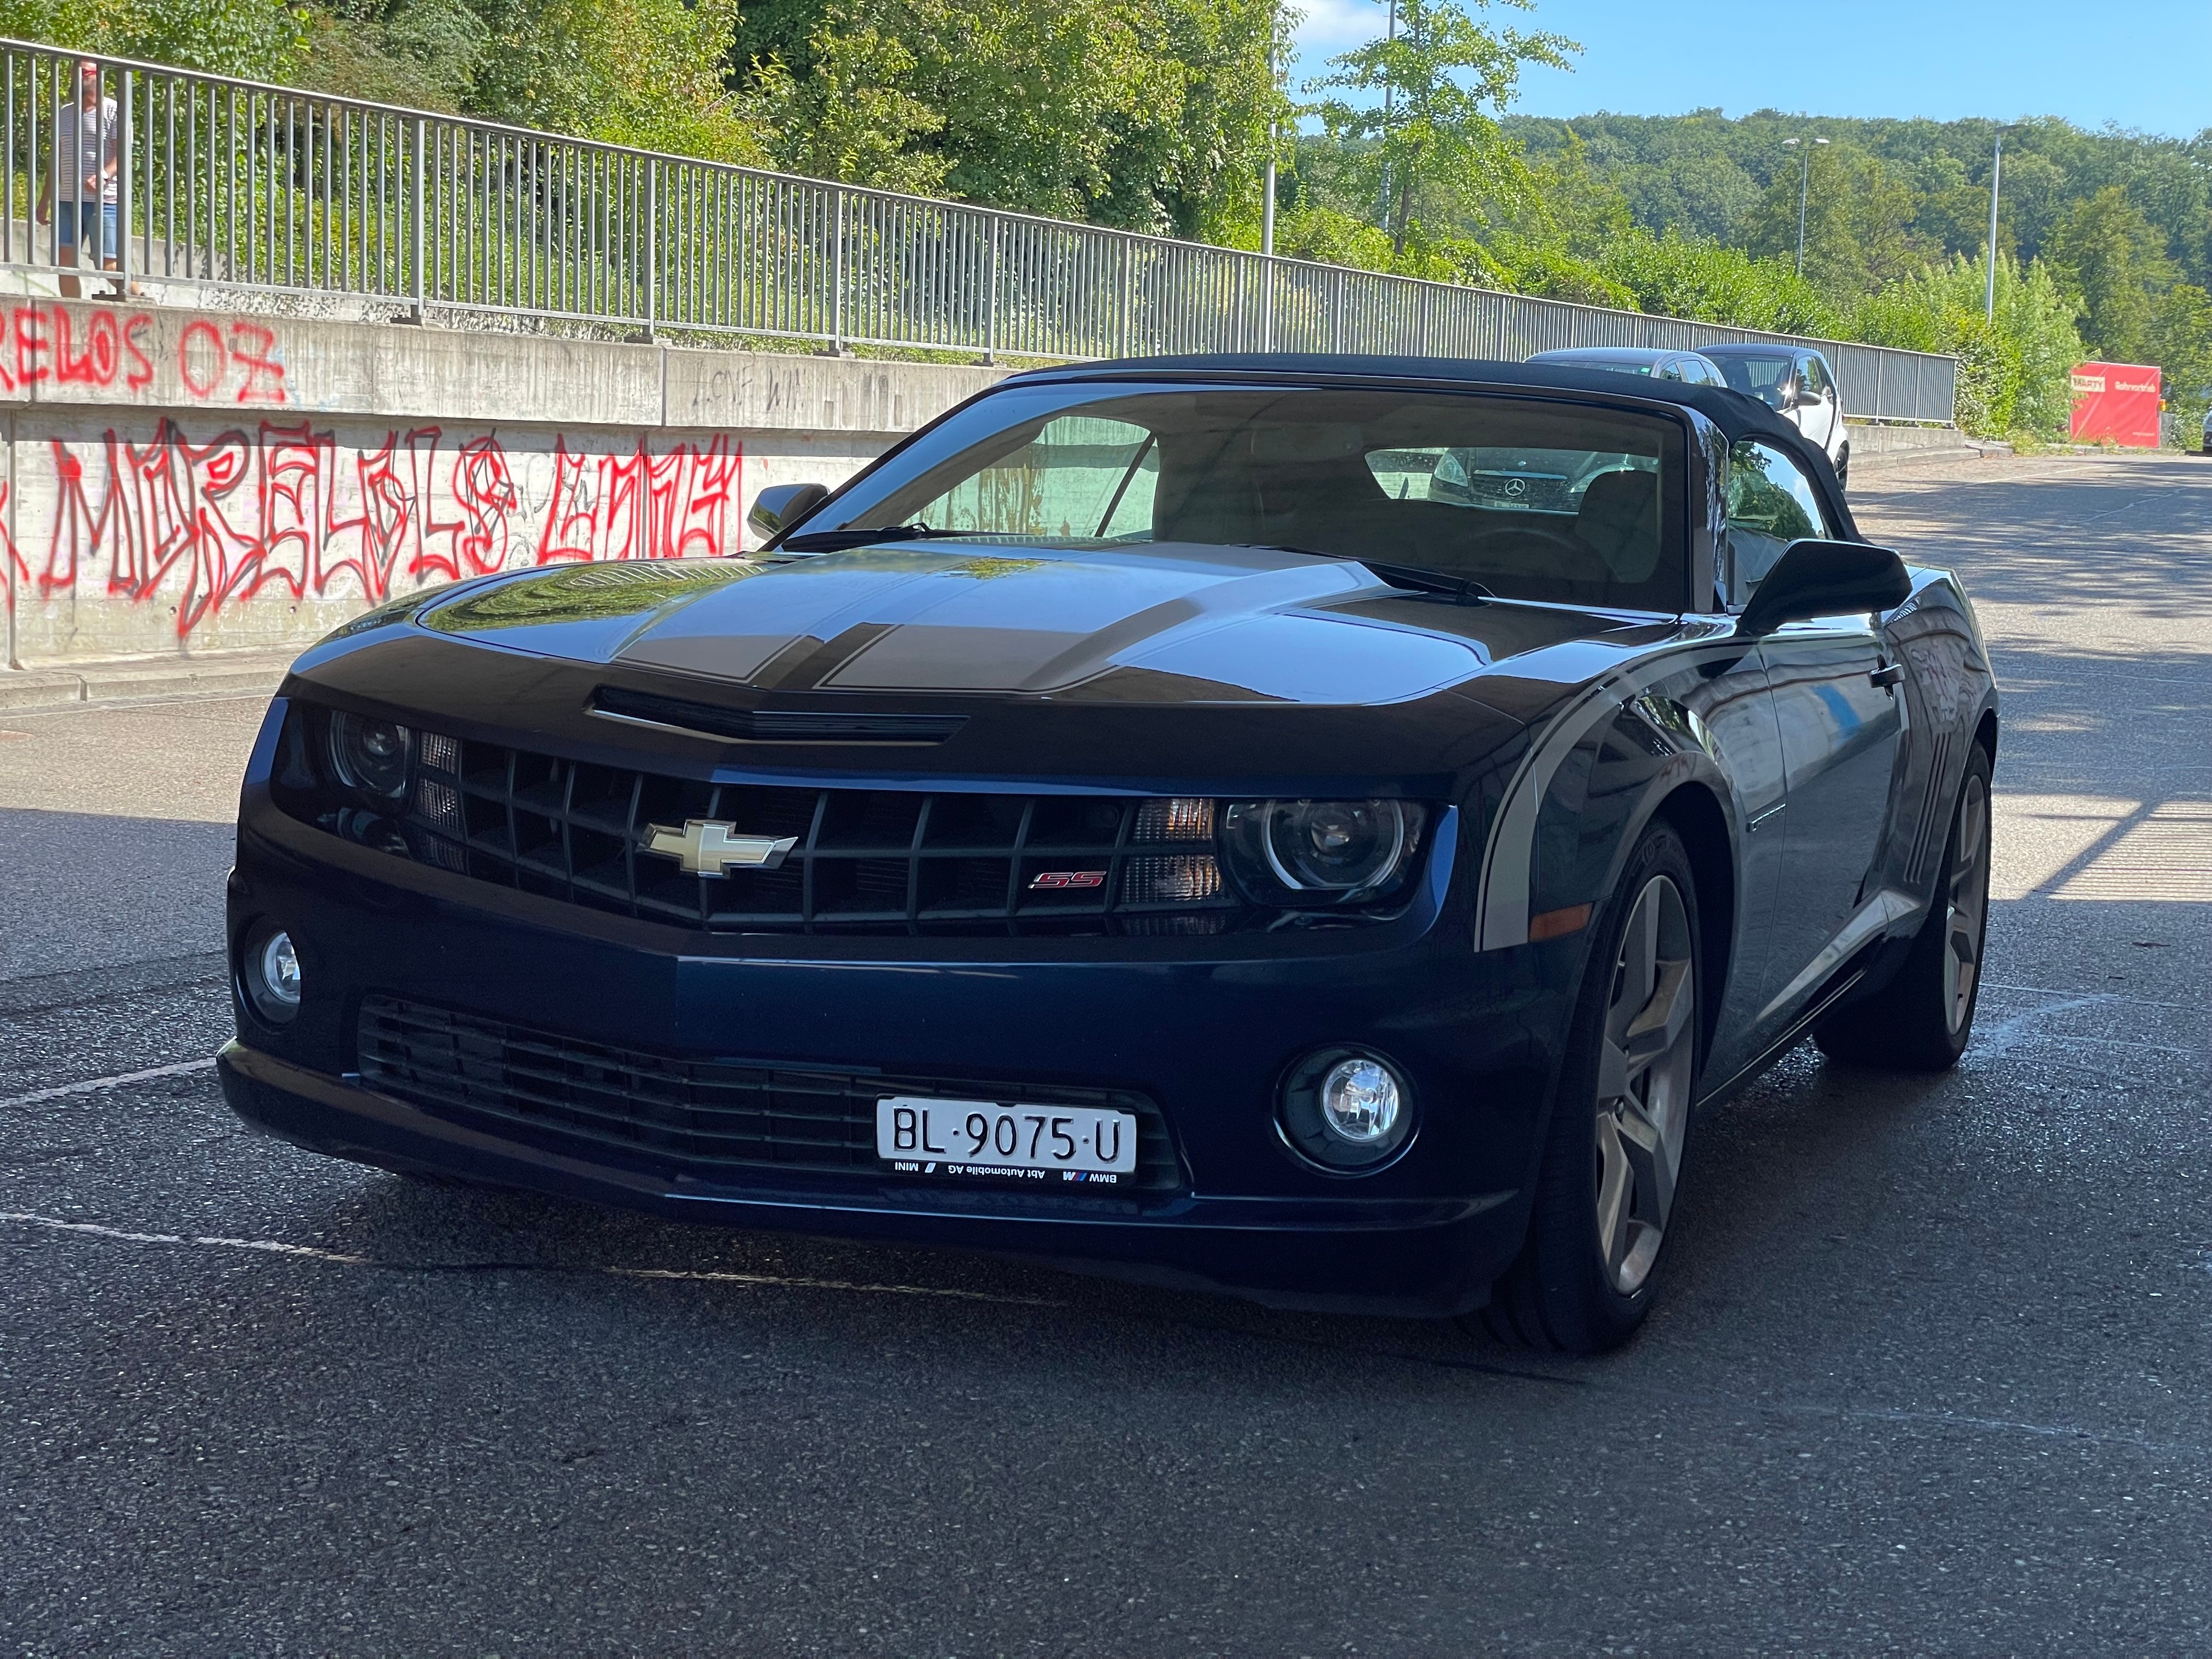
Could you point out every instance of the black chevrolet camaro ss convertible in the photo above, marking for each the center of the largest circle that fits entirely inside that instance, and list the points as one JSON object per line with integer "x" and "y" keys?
{"x": 1321, "y": 828}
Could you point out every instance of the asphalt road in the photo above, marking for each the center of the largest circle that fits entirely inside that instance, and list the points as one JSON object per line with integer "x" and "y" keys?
{"x": 1934, "y": 1376}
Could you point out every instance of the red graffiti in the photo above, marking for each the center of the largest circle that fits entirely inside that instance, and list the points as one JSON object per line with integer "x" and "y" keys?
{"x": 42, "y": 343}
{"x": 639, "y": 506}
{"x": 250, "y": 346}
{"x": 203, "y": 372}
{"x": 285, "y": 509}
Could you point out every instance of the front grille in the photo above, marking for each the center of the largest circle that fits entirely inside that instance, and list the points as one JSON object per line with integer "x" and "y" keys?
{"x": 861, "y": 860}
{"x": 704, "y": 1117}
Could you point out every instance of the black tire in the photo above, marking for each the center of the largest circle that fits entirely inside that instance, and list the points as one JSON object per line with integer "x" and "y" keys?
{"x": 1843, "y": 469}
{"x": 1566, "y": 1292}
{"x": 1921, "y": 1020}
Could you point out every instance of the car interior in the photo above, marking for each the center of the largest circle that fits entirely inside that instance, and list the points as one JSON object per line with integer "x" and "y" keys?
{"x": 1528, "y": 498}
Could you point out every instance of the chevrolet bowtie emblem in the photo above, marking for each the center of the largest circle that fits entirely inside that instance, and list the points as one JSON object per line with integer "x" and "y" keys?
{"x": 706, "y": 847}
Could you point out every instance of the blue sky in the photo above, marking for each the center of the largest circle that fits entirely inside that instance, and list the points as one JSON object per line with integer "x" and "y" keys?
{"x": 2145, "y": 63}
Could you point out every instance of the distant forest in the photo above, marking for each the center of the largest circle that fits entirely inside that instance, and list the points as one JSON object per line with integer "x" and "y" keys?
{"x": 1885, "y": 195}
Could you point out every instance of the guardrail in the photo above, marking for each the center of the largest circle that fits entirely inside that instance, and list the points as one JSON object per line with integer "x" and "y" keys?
{"x": 236, "y": 184}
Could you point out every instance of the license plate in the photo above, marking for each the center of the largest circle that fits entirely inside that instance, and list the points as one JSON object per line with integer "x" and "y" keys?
{"x": 993, "y": 1141}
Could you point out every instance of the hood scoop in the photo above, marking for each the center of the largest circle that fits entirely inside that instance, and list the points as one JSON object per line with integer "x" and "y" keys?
{"x": 701, "y": 720}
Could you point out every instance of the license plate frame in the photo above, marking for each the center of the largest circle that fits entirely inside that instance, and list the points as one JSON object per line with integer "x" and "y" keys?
{"x": 1053, "y": 1146}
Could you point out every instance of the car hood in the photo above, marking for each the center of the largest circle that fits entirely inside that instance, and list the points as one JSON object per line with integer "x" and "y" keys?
{"x": 1164, "y": 623}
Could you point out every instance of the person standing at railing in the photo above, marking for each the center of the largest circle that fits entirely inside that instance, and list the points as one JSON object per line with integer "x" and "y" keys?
{"x": 87, "y": 130}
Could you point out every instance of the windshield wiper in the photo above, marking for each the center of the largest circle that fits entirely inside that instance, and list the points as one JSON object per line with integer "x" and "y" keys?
{"x": 1462, "y": 589}
{"x": 836, "y": 541}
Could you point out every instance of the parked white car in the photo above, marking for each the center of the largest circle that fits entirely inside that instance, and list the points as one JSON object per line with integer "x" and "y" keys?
{"x": 1686, "y": 366}
{"x": 1797, "y": 384}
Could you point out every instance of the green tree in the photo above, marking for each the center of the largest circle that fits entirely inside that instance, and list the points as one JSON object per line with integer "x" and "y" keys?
{"x": 1858, "y": 214}
{"x": 1686, "y": 276}
{"x": 2109, "y": 252}
{"x": 1429, "y": 147}
{"x": 644, "y": 72}
{"x": 257, "y": 39}
{"x": 1151, "y": 114}
{"x": 2181, "y": 345}
{"x": 2014, "y": 371}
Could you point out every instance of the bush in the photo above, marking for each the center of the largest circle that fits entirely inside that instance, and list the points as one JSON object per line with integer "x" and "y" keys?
{"x": 2015, "y": 373}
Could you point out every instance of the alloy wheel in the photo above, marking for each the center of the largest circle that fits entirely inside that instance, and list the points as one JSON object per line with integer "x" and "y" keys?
{"x": 1644, "y": 1076}
{"x": 1969, "y": 903}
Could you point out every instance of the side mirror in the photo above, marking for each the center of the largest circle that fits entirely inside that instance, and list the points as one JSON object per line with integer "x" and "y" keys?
{"x": 1825, "y": 579}
{"x": 779, "y": 507}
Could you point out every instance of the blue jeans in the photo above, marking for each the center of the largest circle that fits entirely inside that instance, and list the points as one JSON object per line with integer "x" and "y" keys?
{"x": 74, "y": 216}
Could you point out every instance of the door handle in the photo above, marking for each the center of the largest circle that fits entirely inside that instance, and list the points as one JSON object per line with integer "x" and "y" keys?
{"x": 1889, "y": 675}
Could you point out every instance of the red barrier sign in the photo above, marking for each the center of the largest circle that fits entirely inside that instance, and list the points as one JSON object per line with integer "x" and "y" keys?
{"x": 2119, "y": 401}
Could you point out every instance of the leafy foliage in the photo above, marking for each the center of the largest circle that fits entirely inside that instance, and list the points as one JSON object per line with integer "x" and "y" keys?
{"x": 2014, "y": 371}
{"x": 257, "y": 40}
{"x": 1432, "y": 147}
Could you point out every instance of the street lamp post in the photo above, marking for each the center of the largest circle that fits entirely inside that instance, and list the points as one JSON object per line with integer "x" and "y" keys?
{"x": 1804, "y": 181}
{"x": 1268, "y": 199}
{"x": 1389, "y": 87}
{"x": 1996, "y": 174}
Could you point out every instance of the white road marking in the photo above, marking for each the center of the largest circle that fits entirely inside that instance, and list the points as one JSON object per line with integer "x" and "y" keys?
{"x": 93, "y": 1230}
{"x": 94, "y": 1085}
{"x": 273, "y": 1247}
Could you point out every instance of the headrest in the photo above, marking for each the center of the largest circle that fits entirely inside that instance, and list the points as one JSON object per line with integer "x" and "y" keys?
{"x": 1619, "y": 518}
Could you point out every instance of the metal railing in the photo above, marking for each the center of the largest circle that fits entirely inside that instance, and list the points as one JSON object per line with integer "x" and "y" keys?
{"x": 234, "y": 184}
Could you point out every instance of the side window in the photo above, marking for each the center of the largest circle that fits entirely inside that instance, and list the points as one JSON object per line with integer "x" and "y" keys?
{"x": 1675, "y": 369}
{"x": 1770, "y": 504}
{"x": 1078, "y": 476}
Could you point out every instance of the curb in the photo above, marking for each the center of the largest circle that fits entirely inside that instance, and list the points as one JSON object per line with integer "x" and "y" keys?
{"x": 141, "y": 679}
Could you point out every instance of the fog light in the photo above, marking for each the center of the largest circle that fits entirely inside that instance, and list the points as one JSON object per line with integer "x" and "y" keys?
{"x": 1348, "y": 1111}
{"x": 1358, "y": 1100}
{"x": 272, "y": 977}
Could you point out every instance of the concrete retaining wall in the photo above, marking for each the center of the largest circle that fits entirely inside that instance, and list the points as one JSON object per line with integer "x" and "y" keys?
{"x": 194, "y": 482}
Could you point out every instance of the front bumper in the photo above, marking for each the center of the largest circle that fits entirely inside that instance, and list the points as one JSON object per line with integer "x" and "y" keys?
{"x": 1205, "y": 1030}
{"x": 1416, "y": 1257}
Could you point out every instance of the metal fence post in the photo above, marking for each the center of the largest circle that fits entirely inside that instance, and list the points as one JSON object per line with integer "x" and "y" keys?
{"x": 837, "y": 286}
{"x": 123, "y": 194}
{"x": 417, "y": 312}
{"x": 1129, "y": 345}
{"x": 991, "y": 312}
{"x": 652, "y": 235}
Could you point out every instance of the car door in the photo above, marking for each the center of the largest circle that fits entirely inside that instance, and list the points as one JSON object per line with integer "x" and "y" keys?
{"x": 1816, "y": 404}
{"x": 1839, "y": 720}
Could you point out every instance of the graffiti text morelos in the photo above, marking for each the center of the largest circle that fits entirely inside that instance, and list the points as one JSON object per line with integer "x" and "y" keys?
{"x": 289, "y": 511}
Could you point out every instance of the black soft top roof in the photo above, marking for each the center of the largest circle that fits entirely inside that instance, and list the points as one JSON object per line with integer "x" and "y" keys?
{"x": 1737, "y": 415}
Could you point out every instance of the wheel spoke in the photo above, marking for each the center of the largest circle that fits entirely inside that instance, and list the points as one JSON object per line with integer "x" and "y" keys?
{"x": 1615, "y": 1070}
{"x": 1636, "y": 969}
{"x": 1613, "y": 1195}
{"x": 1659, "y": 1026}
{"x": 1651, "y": 1161}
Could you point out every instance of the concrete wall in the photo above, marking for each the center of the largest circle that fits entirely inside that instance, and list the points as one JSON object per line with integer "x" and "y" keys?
{"x": 180, "y": 481}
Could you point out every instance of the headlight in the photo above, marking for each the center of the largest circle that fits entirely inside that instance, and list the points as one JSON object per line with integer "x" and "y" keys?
{"x": 371, "y": 756}
{"x": 1331, "y": 851}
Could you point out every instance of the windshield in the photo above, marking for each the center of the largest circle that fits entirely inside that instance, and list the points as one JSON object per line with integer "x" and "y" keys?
{"x": 1618, "y": 364}
{"x": 1762, "y": 377}
{"x": 1533, "y": 500}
